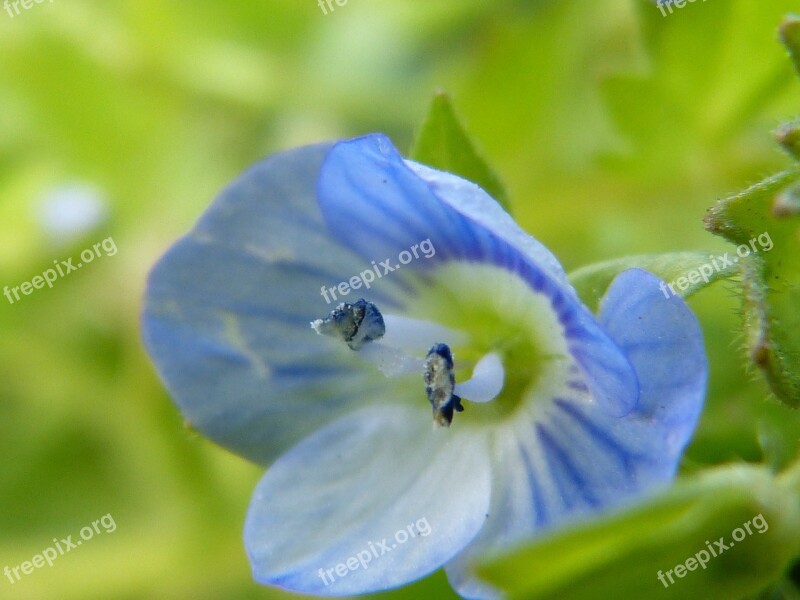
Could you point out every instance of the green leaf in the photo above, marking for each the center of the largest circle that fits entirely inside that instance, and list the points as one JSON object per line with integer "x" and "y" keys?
{"x": 621, "y": 556}
{"x": 686, "y": 272}
{"x": 443, "y": 143}
{"x": 771, "y": 279}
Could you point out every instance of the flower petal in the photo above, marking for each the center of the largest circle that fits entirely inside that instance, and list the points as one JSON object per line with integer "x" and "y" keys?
{"x": 380, "y": 205}
{"x": 344, "y": 491}
{"x": 473, "y": 202}
{"x": 664, "y": 342}
{"x": 227, "y": 312}
{"x": 576, "y": 458}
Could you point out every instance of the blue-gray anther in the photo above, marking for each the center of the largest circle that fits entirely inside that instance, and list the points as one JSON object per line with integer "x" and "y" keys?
{"x": 356, "y": 323}
{"x": 440, "y": 381}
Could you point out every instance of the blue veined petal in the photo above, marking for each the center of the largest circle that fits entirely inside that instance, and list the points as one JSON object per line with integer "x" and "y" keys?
{"x": 576, "y": 458}
{"x": 227, "y": 311}
{"x": 380, "y": 205}
{"x": 664, "y": 342}
{"x": 473, "y": 202}
{"x": 352, "y": 489}
{"x": 517, "y": 510}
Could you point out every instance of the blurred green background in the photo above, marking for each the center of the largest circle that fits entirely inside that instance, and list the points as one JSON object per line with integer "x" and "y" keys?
{"x": 613, "y": 127}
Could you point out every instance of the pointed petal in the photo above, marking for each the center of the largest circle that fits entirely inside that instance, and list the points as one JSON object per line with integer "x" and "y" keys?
{"x": 338, "y": 495}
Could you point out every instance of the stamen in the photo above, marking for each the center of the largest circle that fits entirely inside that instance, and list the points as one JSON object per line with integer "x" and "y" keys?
{"x": 487, "y": 380}
{"x": 397, "y": 338}
{"x": 356, "y": 323}
{"x": 391, "y": 361}
{"x": 412, "y": 335}
{"x": 440, "y": 381}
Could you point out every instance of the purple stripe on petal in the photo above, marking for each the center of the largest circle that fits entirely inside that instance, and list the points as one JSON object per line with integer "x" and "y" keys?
{"x": 561, "y": 465}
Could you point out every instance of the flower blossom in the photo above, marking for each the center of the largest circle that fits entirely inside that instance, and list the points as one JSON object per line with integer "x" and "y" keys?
{"x": 399, "y": 353}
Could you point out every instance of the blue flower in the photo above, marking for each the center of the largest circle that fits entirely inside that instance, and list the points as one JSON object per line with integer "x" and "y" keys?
{"x": 429, "y": 299}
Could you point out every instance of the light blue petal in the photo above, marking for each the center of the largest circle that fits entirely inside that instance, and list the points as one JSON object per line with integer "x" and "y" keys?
{"x": 664, "y": 342}
{"x": 379, "y": 205}
{"x": 569, "y": 458}
{"x": 227, "y": 311}
{"x": 372, "y": 476}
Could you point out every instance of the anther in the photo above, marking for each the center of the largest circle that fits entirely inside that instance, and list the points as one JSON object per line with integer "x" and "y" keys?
{"x": 356, "y": 323}
{"x": 440, "y": 381}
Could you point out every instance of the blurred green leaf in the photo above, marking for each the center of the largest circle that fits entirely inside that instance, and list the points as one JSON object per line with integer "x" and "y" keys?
{"x": 621, "y": 556}
{"x": 674, "y": 112}
{"x": 686, "y": 272}
{"x": 778, "y": 448}
{"x": 788, "y": 136}
{"x": 790, "y": 35}
{"x": 443, "y": 143}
